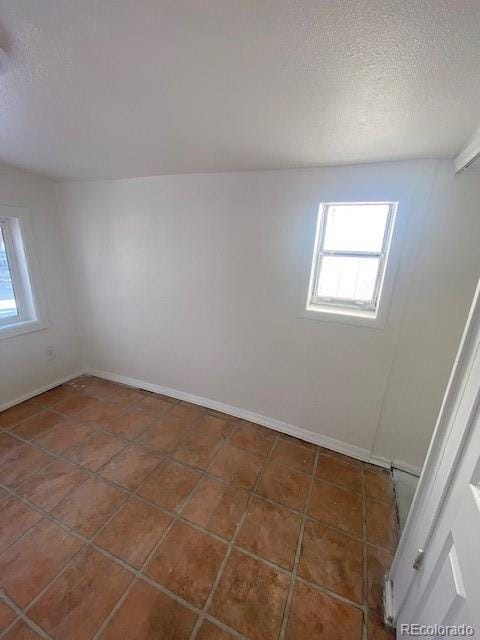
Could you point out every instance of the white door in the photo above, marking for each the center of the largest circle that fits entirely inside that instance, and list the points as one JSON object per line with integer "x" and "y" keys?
{"x": 444, "y": 522}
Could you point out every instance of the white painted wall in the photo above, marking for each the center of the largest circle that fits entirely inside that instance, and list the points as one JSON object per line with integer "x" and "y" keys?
{"x": 24, "y": 366}
{"x": 196, "y": 282}
{"x": 446, "y": 274}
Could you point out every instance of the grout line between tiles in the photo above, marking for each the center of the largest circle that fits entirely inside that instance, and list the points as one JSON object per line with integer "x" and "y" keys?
{"x": 134, "y": 493}
{"x": 288, "y": 604}
{"x": 177, "y": 516}
{"x": 231, "y": 544}
{"x": 21, "y": 617}
{"x": 163, "y": 456}
{"x": 364, "y": 559}
{"x": 147, "y": 559}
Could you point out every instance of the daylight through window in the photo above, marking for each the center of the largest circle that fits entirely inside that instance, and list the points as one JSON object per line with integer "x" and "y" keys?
{"x": 351, "y": 252}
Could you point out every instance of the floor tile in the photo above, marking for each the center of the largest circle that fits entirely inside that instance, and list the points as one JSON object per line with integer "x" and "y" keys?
{"x": 119, "y": 394}
{"x": 293, "y": 456}
{"x": 15, "y": 519}
{"x": 7, "y": 616}
{"x": 251, "y": 594}
{"x": 96, "y": 451}
{"x": 379, "y": 485}
{"x": 148, "y": 614}
{"x": 342, "y": 457}
{"x": 197, "y": 449}
{"x": 49, "y": 486}
{"x": 252, "y": 437}
{"x": 130, "y": 467}
{"x": 284, "y": 485}
{"x": 251, "y": 597}
{"x": 381, "y": 523}
{"x": 169, "y": 484}
{"x": 21, "y": 463}
{"x": 11, "y": 416}
{"x": 74, "y": 405}
{"x": 209, "y": 631}
{"x": 333, "y": 560}
{"x": 76, "y": 604}
{"x": 378, "y": 563}
{"x": 7, "y": 444}
{"x": 186, "y": 412}
{"x": 36, "y": 425}
{"x": 237, "y": 466}
{"x": 270, "y": 531}
{"x": 338, "y": 472}
{"x": 220, "y": 414}
{"x": 213, "y": 426}
{"x": 133, "y": 531}
{"x": 21, "y": 632}
{"x": 157, "y": 405}
{"x": 293, "y": 440}
{"x": 216, "y": 506}
{"x": 316, "y": 615}
{"x": 55, "y": 395}
{"x": 88, "y": 506}
{"x": 187, "y": 563}
{"x": 377, "y": 630}
{"x": 65, "y": 435}
{"x": 164, "y": 435}
{"x": 131, "y": 423}
{"x": 31, "y": 563}
{"x": 336, "y": 506}
{"x": 100, "y": 413}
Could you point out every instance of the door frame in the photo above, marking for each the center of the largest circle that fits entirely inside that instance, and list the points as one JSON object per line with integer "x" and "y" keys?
{"x": 443, "y": 456}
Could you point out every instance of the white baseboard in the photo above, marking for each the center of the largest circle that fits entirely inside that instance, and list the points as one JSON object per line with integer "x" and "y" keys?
{"x": 283, "y": 427}
{"x": 380, "y": 461}
{"x": 396, "y": 464}
{"x": 388, "y": 604}
{"x": 36, "y": 392}
{"x": 408, "y": 468}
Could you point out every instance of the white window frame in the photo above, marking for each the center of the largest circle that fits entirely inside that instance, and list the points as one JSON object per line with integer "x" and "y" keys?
{"x": 18, "y": 238}
{"x": 371, "y": 313}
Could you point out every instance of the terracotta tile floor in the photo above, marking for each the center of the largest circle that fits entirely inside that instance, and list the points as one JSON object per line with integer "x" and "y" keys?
{"x": 133, "y": 516}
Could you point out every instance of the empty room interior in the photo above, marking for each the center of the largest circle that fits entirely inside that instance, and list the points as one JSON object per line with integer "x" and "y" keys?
{"x": 239, "y": 319}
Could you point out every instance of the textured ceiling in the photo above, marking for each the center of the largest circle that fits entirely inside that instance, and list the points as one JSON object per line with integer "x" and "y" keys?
{"x": 119, "y": 88}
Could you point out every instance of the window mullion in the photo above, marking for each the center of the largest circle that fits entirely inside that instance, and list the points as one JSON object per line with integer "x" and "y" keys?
{"x": 18, "y": 285}
{"x": 351, "y": 254}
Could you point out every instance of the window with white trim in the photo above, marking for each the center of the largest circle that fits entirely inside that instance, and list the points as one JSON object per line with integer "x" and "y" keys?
{"x": 350, "y": 257}
{"x": 19, "y": 306}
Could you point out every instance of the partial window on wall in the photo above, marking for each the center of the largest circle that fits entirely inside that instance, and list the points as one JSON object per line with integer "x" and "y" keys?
{"x": 21, "y": 308}
{"x": 350, "y": 259}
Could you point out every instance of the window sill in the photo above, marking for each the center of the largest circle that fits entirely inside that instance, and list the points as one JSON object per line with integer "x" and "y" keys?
{"x": 344, "y": 316}
{"x": 17, "y": 328}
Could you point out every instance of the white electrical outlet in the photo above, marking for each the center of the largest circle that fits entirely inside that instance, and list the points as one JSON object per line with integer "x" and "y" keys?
{"x": 51, "y": 353}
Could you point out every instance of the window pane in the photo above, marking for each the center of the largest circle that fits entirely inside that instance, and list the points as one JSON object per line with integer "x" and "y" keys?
{"x": 8, "y": 305}
{"x": 357, "y": 227}
{"x": 348, "y": 278}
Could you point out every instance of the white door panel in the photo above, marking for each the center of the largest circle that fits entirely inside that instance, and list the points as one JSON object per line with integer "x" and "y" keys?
{"x": 445, "y": 588}
{"x": 446, "y": 523}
